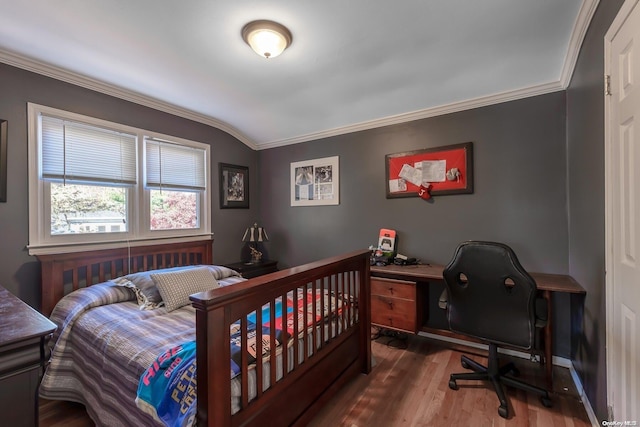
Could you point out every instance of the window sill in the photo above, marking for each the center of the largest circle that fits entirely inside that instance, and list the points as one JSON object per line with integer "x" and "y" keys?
{"x": 50, "y": 249}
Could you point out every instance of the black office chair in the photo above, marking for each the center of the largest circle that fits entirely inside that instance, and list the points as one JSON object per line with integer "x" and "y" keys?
{"x": 492, "y": 298}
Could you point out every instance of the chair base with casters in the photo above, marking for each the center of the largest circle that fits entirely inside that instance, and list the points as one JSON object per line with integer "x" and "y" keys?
{"x": 498, "y": 376}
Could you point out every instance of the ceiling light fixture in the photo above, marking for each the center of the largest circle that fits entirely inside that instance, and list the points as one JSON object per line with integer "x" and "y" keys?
{"x": 267, "y": 38}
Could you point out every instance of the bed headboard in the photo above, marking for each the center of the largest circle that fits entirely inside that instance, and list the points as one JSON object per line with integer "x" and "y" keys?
{"x": 64, "y": 273}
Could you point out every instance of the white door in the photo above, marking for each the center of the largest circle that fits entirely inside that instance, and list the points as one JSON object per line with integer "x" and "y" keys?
{"x": 622, "y": 167}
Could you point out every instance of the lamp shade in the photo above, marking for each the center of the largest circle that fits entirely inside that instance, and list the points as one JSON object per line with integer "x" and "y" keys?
{"x": 255, "y": 234}
{"x": 267, "y": 38}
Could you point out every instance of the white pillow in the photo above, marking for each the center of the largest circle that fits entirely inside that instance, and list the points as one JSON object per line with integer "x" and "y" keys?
{"x": 176, "y": 286}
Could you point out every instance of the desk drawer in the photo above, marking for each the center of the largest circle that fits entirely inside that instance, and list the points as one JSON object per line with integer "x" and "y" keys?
{"x": 395, "y": 313}
{"x": 394, "y": 304}
{"x": 393, "y": 288}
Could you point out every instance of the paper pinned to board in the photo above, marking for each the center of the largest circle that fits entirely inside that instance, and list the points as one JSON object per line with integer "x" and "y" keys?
{"x": 397, "y": 185}
{"x": 411, "y": 174}
{"x": 432, "y": 170}
{"x": 424, "y": 172}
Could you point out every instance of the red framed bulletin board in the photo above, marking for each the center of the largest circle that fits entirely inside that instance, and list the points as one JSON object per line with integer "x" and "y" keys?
{"x": 447, "y": 169}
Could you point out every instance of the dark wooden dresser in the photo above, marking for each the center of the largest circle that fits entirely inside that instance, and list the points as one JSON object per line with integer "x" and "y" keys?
{"x": 23, "y": 334}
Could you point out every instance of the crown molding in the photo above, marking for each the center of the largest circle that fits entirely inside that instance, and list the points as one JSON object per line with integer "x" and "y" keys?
{"x": 580, "y": 27}
{"x": 77, "y": 79}
{"x": 421, "y": 114}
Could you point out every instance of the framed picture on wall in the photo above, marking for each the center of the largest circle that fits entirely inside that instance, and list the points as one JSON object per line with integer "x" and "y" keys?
{"x": 234, "y": 186}
{"x": 315, "y": 182}
{"x": 3, "y": 160}
{"x": 447, "y": 169}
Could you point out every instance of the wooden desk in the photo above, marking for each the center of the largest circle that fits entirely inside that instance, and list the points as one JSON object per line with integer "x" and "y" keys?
{"x": 547, "y": 283}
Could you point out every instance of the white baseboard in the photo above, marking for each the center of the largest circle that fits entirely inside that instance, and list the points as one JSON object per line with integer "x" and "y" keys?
{"x": 583, "y": 396}
{"x": 556, "y": 360}
{"x": 514, "y": 353}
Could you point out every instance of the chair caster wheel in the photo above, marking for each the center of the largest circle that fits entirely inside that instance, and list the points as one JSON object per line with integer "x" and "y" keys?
{"x": 546, "y": 402}
{"x": 503, "y": 411}
{"x": 453, "y": 385}
{"x": 464, "y": 364}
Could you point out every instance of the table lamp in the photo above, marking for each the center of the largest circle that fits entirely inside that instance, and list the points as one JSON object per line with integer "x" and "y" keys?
{"x": 253, "y": 235}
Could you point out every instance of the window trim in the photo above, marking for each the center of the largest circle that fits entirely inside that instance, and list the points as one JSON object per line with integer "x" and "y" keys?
{"x": 138, "y": 213}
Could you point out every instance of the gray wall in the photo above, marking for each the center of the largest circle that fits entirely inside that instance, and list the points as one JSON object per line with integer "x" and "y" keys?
{"x": 520, "y": 188}
{"x": 520, "y": 193}
{"x": 19, "y": 272}
{"x": 585, "y": 137}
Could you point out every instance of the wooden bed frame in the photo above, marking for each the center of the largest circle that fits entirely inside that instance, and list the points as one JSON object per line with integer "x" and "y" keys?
{"x": 341, "y": 348}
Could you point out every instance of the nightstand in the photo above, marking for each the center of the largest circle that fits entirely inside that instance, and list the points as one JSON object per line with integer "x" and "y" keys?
{"x": 23, "y": 335}
{"x": 254, "y": 270}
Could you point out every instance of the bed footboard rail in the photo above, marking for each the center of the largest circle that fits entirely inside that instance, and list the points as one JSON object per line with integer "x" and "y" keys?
{"x": 302, "y": 333}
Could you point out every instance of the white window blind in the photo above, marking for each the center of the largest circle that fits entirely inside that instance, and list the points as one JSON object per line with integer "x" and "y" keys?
{"x": 79, "y": 153}
{"x": 175, "y": 167}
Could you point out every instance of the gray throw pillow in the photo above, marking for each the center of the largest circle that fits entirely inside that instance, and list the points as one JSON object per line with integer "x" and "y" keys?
{"x": 142, "y": 284}
{"x": 176, "y": 286}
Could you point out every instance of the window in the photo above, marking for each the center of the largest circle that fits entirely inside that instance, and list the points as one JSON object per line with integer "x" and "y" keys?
{"x": 93, "y": 181}
{"x": 175, "y": 175}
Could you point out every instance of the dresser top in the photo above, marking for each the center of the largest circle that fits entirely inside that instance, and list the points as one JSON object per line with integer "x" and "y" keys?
{"x": 19, "y": 322}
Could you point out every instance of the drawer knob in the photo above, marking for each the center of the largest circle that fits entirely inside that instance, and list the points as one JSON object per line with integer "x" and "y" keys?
{"x": 391, "y": 291}
{"x": 390, "y": 305}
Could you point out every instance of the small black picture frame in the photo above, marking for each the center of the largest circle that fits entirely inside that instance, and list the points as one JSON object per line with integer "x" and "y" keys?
{"x": 3, "y": 160}
{"x": 234, "y": 186}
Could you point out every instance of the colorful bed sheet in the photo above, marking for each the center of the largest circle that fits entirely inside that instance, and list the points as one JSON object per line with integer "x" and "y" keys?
{"x": 167, "y": 389}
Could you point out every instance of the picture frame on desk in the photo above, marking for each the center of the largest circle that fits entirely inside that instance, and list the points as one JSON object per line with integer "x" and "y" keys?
{"x": 234, "y": 186}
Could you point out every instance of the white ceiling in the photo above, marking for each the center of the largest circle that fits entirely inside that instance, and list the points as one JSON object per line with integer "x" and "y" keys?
{"x": 353, "y": 64}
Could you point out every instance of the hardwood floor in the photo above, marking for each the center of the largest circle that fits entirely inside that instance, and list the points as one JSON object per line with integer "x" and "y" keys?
{"x": 409, "y": 387}
{"x": 54, "y": 413}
